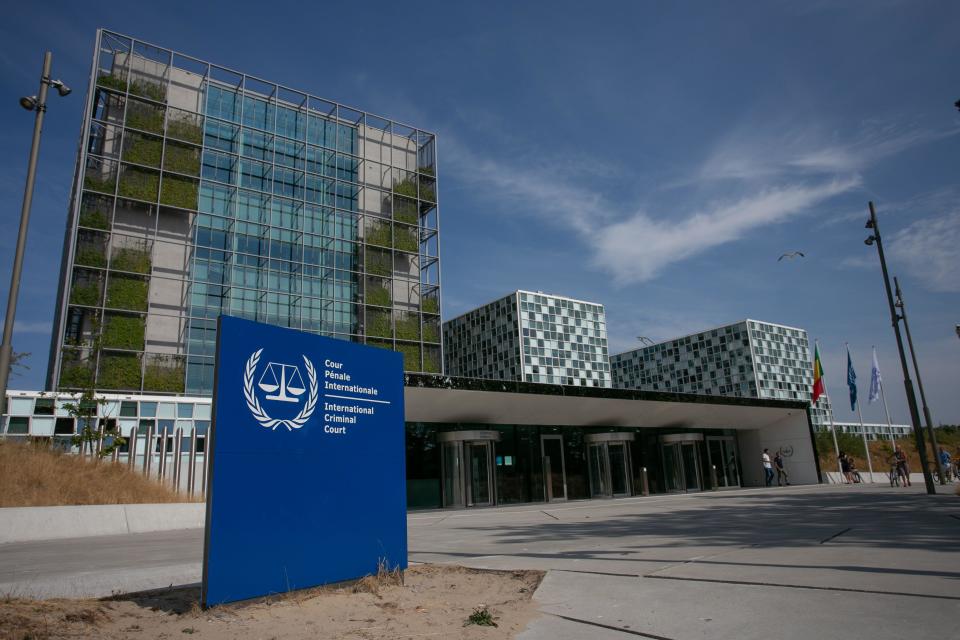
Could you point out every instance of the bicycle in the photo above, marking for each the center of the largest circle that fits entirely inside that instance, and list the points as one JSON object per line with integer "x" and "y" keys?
{"x": 894, "y": 475}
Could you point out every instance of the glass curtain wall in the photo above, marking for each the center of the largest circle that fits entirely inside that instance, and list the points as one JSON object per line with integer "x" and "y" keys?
{"x": 205, "y": 191}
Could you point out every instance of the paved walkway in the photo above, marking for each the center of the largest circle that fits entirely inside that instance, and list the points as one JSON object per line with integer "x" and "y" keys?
{"x": 799, "y": 562}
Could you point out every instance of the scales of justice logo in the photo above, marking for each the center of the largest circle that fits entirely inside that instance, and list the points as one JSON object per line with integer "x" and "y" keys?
{"x": 283, "y": 384}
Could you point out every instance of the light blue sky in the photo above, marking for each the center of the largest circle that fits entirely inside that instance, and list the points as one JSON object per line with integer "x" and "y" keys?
{"x": 654, "y": 157}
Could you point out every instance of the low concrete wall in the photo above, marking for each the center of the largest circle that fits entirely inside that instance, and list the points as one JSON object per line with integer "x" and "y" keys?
{"x": 833, "y": 477}
{"x": 18, "y": 524}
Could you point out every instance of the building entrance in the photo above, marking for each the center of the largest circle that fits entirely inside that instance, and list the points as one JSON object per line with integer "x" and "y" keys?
{"x": 608, "y": 458}
{"x": 722, "y": 455}
{"x": 467, "y": 468}
{"x": 554, "y": 469}
{"x": 681, "y": 461}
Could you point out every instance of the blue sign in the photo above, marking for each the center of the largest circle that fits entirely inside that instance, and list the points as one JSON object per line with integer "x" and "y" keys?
{"x": 307, "y": 483}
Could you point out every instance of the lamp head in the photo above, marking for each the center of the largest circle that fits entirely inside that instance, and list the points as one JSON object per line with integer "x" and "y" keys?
{"x": 869, "y": 240}
{"x": 28, "y": 102}
{"x": 869, "y": 224}
{"x": 61, "y": 88}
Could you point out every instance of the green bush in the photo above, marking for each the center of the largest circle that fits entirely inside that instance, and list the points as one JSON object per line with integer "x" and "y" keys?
{"x": 135, "y": 260}
{"x": 848, "y": 443}
{"x": 378, "y": 233}
{"x": 378, "y": 323}
{"x": 112, "y": 82}
{"x": 127, "y": 292}
{"x": 145, "y": 117}
{"x": 124, "y": 332}
{"x": 406, "y": 239}
{"x": 182, "y": 158}
{"x": 94, "y": 219}
{"x": 430, "y": 305}
{"x": 430, "y": 332}
{"x": 164, "y": 374}
{"x": 427, "y": 171}
{"x": 87, "y": 294}
{"x": 139, "y": 183}
{"x": 431, "y": 361}
{"x": 119, "y": 371}
{"x": 148, "y": 89}
{"x": 378, "y": 296}
{"x": 405, "y": 210}
{"x": 378, "y": 263}
{"x": 185, "y": 129}
{"x": 406, "y": 188}
{"x": 408, "y": 327}
{"x": 428, "y": 189}
{"x": 98, "y": 184}
{"x": 411, "y": 356}
{"x": 90, "y": 256}
{"x": 179, "y": 192}
{"x": 76, "y": 375}
{"x": 144, "y": 150}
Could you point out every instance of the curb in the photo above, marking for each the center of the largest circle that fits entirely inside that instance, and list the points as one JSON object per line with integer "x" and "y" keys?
{"x": 20, "y": 524}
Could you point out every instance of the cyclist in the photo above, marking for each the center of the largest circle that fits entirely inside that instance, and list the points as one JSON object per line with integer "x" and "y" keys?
{"x": 903, "y": 468}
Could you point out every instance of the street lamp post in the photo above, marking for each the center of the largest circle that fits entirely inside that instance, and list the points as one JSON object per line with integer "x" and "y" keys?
{"x": 907, "y": 383}
{"x": 916, "y": 369}
{"x": 36, "y": 103}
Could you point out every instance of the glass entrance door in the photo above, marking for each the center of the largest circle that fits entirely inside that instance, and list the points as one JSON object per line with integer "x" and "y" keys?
{"x": 673, "y": 467}
{"x": 722, "y": 452}
{"x": 681, "y": 462}
{"x": 599, "y": 486}
{"x": 554, "y": 471}
{"x": 691, "y": 466}
{"x": 467, "y": 471}
{"x": 617, "y": 452}
{"x": 608, "y": 456}
{"x": 479, "y": 472}
{"x": 451, "y": 462}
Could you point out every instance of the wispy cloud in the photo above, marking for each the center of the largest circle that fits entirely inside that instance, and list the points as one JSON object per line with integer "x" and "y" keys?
{"x": 928, "y": 248}
{"x": 41, "y": 327}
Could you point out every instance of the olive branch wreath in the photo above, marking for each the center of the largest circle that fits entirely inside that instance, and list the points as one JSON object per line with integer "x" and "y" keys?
{"x": 254, "y": 404}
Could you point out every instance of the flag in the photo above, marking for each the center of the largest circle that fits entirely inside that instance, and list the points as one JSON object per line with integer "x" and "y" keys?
{"x": 875, "y": 379}
{"x": 818, "y": 389}
{"x": 851, "y": 381}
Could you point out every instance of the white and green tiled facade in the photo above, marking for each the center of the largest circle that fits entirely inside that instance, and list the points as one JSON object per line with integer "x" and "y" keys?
{"x": 530, "y": 337}
{"x": 750, "y": 359}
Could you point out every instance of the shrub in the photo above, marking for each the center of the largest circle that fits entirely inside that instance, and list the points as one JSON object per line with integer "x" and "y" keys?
{"x": 124, "y": 332}
{"x": 378, "y": 295}
{"x": 431, "y": 361}
{"x": 182, "y": 158}
{"x": 430, "y": 332}
{"x": 127, "y": 292}
{"x": 90, "y": 256}
{"x": 179, "y": 192}
{"x": 145, "y": 117}
{"x": 98, "y": 184}
{"x": 405, "y": 210}
{"x": 378, "y": 263}
{"x": 185, "y": 128}
{"x": 119, "y": 371}
{"x": 378, "y": 233}
{"x": 112, "y": 81}
{"x": 408, "y": 327}
{"x": 427, "y": 171}
{"x": 144, "y": 150}
{"x": 76, "y": 375}
{"x": 164, "y": 374}
{"x": 406, "y": 239}
{"x": 94, "y": 219}
{"x": 87, "y": 294}
{"x": 378, "y": 323}
{"x": 430, "y": 305}
{"x": 406, "y": 187}
{"x": 148, "y": 89}
{"x": 428, "y": 189}
{"x": 411, "y": 356}
{"x": 139, "y": 183}
{"x": 135, "y": 260}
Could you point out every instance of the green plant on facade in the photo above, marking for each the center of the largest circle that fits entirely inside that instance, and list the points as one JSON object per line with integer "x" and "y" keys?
{"x": 378, "y": 295}
{"x": 430, "y": 305}
{"x": 119, "y": 371}
{"x": 129, "y": 259}
{"x": 179, "y": 192}
{"x": 406, "y": 239}
{"x": 94, "y": 219}
{"x": 378, "y": 233}
{"x": 144, "y": 150}
{"x": 182, "y": 158}
{"x": 405, "y": 210}
{"x": 164, "y": 373}
{"x": 90, "y": 256}
{"x": 76, "y": 375}
{"x": 98, "y": 184}
{"x": 124, "y": 332}
{"x": 139, "y": 183}
{"x": 411, "y": 356}
{"x": 112, "y": 81}
{"x": 431, "y": 361}
{"x": 378, "y": 263}
{"x": 127, "y": 292}
{"x": 406, "y": 187}
{"x": 145, "y": 117}
{"x": 148, "y": 89}
{"x": 87, "y": 294}
{"x": 408, "y": 327}
{"x": 427, "y": 171}
{"x": 378, "y": 323}
{"x": 428, "y": 190}
{"x": 184, "y": 128}
{"x": 430, "y": 332}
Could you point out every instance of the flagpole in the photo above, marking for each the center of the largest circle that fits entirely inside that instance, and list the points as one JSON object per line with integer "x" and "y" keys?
{"x": 863, "y": 431}
{"x": 833, "y": 430}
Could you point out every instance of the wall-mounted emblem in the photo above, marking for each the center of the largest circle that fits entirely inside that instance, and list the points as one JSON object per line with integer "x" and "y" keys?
{"x": 282, "y": 383}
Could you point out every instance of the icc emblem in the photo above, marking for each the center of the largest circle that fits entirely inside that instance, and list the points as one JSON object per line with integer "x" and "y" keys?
{"x": 284, "y": 384}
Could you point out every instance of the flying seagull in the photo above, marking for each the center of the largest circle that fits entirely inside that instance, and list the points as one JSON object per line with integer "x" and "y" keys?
{"x": 791, "y": 255}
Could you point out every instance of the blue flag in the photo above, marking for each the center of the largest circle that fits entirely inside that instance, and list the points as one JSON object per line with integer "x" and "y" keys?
{"x": 851, "y": 381}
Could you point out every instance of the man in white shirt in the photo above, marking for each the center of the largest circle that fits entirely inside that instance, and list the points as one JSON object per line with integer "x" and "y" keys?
{"x": 767, "y": 467}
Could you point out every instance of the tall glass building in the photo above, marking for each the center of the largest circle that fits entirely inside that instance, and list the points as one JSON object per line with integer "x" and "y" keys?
{"x": 530, "y": 337}
{"x": 747, "y": 359}
{"x": 202, "y": 191}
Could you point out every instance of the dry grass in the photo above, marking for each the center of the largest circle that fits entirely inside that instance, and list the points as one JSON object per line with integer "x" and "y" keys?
{"x": 882, "y": 450}
{"x": 36, "y": 476}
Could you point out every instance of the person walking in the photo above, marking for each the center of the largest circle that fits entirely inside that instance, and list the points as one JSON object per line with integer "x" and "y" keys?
{"x": 783, "y": 478}
{"x": 903, "y": 468}
{"x": 945, "y": 464}
{"x": 845, "y": 468}
{"x": 767, "y": 467}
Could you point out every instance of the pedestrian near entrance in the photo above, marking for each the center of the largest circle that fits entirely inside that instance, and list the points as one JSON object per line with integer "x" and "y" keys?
{"x": 767, "y": 467}
{"x": 903, "y": 469}
{"x": 783, "y": 478}
{"x": 845, "y": 468}
{"x": 946, "y": 464}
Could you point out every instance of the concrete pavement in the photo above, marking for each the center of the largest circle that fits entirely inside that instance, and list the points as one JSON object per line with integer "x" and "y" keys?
{"x": 789, "y": 563}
